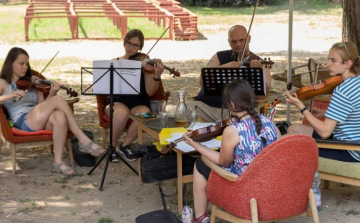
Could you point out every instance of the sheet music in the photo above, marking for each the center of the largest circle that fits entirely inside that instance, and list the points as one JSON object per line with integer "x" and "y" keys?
{"x": 132, "y": 76}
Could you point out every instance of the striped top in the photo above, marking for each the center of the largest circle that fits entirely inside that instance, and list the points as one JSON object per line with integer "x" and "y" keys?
{"x": 344, "y": 108}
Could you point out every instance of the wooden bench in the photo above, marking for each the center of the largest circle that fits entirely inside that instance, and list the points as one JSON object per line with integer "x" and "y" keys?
{"x": 337, "y": 171}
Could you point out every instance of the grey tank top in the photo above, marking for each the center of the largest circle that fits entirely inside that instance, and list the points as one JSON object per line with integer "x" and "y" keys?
{"x": 17, "y": 108}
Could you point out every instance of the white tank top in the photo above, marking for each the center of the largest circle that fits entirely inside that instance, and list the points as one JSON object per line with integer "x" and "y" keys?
{"x": 17, "y": 108}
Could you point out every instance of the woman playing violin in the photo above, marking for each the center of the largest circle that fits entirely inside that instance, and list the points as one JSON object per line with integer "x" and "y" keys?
{"x": 30, "y": 111}
{"x": 342, "y": 118}
{"x": 130, "y": 105}
{"x": 241, "y": 141}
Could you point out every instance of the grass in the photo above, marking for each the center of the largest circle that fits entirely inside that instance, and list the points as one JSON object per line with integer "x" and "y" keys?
{"x": 12, "y": 28}
{"x": 303, "y": 7}
{"x": 28, "y": 201}
{"x": 352, "y": 211}
{"x": 105, "y": 220}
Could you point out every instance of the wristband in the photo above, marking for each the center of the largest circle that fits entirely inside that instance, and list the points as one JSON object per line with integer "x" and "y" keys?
{"x": 303, "y": 109}
{"x": 157, "y": 79}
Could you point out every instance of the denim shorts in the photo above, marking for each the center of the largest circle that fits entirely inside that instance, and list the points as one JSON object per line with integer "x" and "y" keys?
{"x": 334, "y": 154}
{"x": 22, "y": 124}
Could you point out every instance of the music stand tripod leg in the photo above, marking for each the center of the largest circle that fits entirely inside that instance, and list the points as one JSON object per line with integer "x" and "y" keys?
{"x": 111, "y": 150}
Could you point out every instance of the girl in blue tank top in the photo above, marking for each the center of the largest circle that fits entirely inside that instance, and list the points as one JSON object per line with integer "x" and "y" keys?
{"x": 241, "y": 141}
{"x": 30, "y": 111}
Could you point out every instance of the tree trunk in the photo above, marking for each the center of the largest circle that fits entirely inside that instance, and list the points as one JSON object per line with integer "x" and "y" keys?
{"x": 351, "y": 22}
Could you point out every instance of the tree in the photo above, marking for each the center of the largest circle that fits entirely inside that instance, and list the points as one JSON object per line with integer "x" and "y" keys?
{"x": 351, "y": 22}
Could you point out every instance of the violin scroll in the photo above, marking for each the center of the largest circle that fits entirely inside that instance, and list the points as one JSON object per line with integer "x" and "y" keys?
{"x": 267, "y": 62}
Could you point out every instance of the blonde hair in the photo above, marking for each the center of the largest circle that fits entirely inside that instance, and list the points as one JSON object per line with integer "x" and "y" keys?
{"x": 348, "y": 51}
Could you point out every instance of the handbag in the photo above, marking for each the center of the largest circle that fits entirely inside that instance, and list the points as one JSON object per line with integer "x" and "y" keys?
{"x": 159, "y": 216}
{"x": 156, "y": 167}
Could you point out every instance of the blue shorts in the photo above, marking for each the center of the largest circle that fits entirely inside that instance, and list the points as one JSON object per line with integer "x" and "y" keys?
{"x": 22, "y": 124}
{"x": 334, "y": 154}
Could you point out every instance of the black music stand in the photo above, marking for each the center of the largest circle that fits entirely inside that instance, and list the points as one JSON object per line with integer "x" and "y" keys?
{"x": 215, "y": 79}
{"x": 111, "y": 150}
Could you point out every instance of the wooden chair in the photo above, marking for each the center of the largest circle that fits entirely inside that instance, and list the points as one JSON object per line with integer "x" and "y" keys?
{"x": 276, "y": 185}
{"x": 104, "y": 120}
{"x": 14, "y": 138}
{"x": 297, "y": 72}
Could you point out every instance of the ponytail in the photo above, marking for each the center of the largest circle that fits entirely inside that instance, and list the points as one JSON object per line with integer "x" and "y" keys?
{"x": 258, "y": 124}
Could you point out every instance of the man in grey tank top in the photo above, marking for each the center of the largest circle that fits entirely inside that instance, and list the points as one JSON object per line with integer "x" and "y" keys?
{"x": 211, "y": 104}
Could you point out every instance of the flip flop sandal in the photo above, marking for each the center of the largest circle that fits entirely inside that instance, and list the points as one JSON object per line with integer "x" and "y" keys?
{"x": 88, "y": 149}
{"x": 66, "y": 171}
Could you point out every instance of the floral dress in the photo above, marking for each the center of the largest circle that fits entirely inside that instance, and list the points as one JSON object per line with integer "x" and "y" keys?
{"x": 250, "y": 144}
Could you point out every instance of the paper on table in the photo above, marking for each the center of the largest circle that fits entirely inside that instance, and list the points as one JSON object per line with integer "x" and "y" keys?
{"x": 132, "y": 76}
{"x": 183, "y": 146}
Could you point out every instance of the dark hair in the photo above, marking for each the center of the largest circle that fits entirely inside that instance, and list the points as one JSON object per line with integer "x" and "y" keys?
{"x": 348, "y": 51}
{"x": 7, "y": 70}
{"x": 135, "y": 33}
{"x": 242, "y": 95}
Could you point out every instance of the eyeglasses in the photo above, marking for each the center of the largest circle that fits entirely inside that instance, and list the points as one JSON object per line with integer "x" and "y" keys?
{"x": 130, "y": 45}
{"x": 344, "y": 45}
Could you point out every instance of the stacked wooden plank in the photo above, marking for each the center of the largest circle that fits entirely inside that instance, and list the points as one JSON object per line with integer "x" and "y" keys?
{"x": 146, "y": 9}
{"x": 185, "y": 22}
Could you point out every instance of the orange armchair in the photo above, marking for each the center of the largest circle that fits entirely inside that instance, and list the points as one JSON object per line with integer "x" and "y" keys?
{"x": 276, "y": 185}
{"x": 104, "y": 120}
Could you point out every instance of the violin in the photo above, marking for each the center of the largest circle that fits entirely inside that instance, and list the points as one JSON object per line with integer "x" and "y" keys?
{"x": 266, "y": 62}
{"x": 326, "y": 86}
{"x": 42, "y": 85}
{"x": 147, "y": 64}
{"x": 201, "y": 134}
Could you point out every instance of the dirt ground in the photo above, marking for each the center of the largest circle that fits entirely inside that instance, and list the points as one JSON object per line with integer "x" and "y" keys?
{"x": 36, "y": 194}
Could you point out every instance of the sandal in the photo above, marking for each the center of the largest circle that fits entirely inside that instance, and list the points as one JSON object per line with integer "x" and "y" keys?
{"x": 66, "y": 171}
{"x": 90, "y": 150}
{"x": 202, "y": 219}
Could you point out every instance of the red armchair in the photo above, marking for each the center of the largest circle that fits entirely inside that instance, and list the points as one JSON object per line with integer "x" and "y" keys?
{"x": 276, "y": 185}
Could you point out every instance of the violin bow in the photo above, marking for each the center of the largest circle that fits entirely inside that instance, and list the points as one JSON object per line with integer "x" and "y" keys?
{"x": 316, "y": 77}
{"x": 37, "y": 76}
{"x": 158, "y": 40}
{"x": 248, "y": 33}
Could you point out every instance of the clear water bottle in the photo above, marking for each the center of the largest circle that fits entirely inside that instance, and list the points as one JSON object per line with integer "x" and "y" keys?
{"x": 187, "y": 214}
{"x": 317, "y": 191}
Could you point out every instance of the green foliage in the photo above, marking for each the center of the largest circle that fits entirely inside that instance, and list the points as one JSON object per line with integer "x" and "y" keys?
{"x": 229, "y": 3}
{"x": 352, "y": 211}
{"x": 105, "y": 220}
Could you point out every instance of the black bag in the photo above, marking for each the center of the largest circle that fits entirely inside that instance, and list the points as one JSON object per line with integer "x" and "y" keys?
{"x": 160, "y": 216}
{"x": 157, "y": 167}
{"x": 82, "y": 159}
